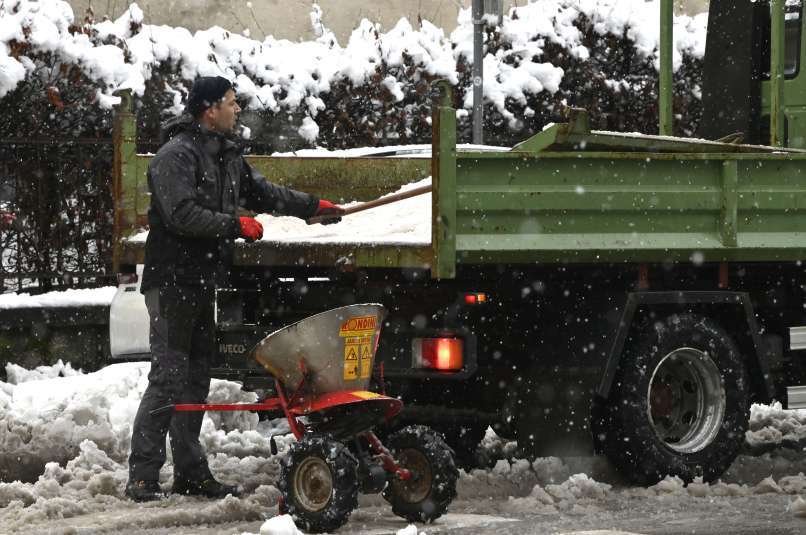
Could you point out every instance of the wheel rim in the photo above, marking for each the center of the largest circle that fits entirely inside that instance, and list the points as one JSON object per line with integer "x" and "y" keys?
{"x": 686, "y": 400}
{"x": 313, "y": 484}
{"x": 417, "y": 488}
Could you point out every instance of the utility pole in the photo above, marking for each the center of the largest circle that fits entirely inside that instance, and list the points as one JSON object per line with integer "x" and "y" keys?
{"x": 478, "y": 71}
{"x": 666, "y": 82}
{"x": 481, "y": 8}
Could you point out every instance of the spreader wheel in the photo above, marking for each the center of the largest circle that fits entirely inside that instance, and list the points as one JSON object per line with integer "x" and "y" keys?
{"x": 432, "y": 487}
{"x": 319, "y": 483}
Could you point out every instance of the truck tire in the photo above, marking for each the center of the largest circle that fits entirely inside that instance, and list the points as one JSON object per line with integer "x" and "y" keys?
{"x": 426, "y": 496}
{"x": 319, "y": 483}
{"x": 679, "y": 404}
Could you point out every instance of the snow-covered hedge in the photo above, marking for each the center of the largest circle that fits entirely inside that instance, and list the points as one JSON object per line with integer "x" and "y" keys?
{"x": 599, "y": 54}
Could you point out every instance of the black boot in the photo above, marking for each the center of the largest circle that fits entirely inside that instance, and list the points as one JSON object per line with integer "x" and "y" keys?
{"x": 205, "y": 487}
{"x": 144, "y": 491}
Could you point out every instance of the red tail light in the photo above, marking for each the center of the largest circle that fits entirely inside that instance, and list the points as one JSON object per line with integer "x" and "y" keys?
{"x": 444, "y": 354}
{"x": 475, "y": 298}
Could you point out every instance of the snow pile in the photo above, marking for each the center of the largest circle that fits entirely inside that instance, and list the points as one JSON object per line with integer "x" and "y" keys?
{"x": 494, "y": 447}
{"x": 278, "y": 525}
{"x": 578, "y": 491}
{"x": 771, "y": 425}
{"x": 675, "y": 487}
{"x": 69, "y": 436}
{"x": 17, "y": 374}
{"x": 504, "y": 479}
{"x": 48, "y": 420}
{"x": 578, "y": 487}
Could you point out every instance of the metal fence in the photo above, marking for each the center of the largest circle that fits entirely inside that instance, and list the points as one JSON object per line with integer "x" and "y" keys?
{"x": 59, "y": 192}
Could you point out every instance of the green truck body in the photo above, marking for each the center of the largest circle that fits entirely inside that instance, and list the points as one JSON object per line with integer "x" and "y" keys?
{"x": 567, "y": 195}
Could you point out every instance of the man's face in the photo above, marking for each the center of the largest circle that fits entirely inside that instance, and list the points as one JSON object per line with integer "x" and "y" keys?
{"x": 223, "y": 116}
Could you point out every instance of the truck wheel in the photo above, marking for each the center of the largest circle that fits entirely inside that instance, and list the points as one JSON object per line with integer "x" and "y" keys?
{"x": 432, "y": 487}
{"x": 679, "y": 405}
{"x": 319, "y": 483}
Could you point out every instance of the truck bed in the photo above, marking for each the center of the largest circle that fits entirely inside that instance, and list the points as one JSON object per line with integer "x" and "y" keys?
{"x": 566, "y": 195}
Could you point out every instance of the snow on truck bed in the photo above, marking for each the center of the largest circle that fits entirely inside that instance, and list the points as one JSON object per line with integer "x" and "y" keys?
{"x": 406, "y": 222}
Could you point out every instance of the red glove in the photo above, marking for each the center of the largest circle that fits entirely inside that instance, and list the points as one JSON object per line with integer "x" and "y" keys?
{"x": 7, "y": 218}
{"x": 251, "y": 229}
{"x": 327, "y": 208}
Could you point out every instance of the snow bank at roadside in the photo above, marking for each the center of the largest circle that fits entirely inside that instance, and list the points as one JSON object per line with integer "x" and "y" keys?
{"x": 771, "y": 425}
{"x": 75, "y": 432}
{"x": 49, "y": 419}
{"x": 57, "y": 408}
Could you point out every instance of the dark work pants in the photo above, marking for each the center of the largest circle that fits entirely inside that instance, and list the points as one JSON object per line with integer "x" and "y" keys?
{"x": 182, "y": 336}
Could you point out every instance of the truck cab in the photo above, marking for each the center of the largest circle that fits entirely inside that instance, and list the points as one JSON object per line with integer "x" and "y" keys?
{"x": 737, "y": 89}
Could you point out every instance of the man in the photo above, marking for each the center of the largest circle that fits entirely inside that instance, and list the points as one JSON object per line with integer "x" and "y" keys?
{"x": 198, "y": 179}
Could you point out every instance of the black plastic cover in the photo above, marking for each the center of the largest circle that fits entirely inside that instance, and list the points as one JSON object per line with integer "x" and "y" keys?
{"x": 731, "y": 92}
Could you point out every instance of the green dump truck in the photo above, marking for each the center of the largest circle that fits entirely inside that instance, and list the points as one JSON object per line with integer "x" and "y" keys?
{"x": 584, "y": 291}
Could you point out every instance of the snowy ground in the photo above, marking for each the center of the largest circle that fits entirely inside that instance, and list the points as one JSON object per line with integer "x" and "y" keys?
{"x": 67, "y": 433}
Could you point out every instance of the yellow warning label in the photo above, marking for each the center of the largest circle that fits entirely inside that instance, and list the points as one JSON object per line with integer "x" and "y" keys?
{"x": 357, "y": 333}
{"x": 366, "y": 359}
{"x": 358, "y": 326}
{"x": 351, "y": 362}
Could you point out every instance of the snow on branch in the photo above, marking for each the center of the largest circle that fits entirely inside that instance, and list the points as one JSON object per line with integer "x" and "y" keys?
{"x": 545, "y": 55}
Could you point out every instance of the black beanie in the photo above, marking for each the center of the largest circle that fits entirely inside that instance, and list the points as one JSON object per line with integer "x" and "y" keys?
{"x": 206, "y": 92}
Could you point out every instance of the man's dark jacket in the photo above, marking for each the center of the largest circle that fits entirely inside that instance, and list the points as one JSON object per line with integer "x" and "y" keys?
{"x": 198, "y": 179}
